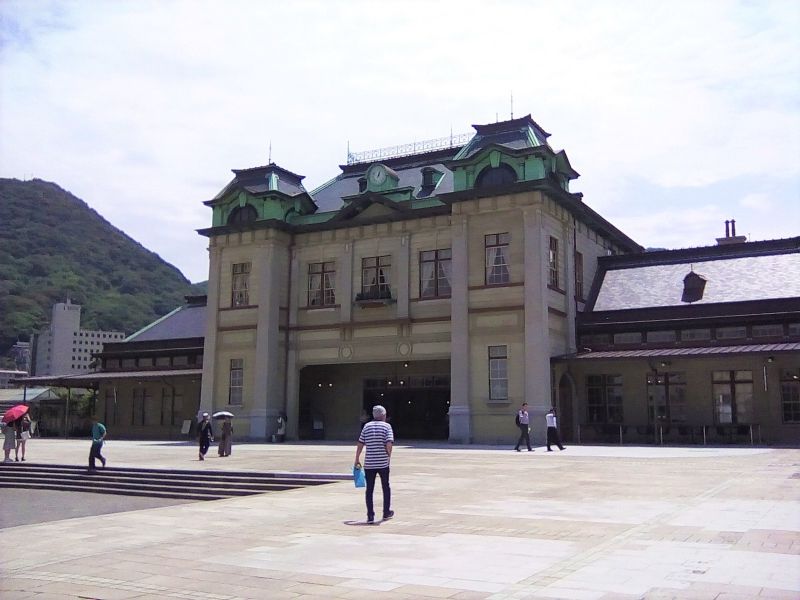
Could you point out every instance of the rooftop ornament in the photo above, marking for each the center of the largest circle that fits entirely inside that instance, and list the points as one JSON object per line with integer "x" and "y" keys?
{"x": 452, "y": 141}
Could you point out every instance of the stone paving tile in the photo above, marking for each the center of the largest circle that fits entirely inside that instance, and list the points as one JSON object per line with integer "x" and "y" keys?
{"x": 719, "y": 520}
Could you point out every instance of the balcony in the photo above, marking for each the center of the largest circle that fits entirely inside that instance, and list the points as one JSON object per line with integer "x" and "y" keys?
{"x": 374, "y": 297}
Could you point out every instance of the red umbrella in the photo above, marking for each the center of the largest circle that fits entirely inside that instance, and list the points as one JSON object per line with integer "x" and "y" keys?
{"x": 14, "y": 413}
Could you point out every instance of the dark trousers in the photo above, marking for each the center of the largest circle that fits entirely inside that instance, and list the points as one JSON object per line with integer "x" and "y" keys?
{"x": 524, "y": 436}
{"x": 387, "y": 492}
{"x": 553, "y": 438}
{"x": 204, "y": 444}
{"x": 94, "y": 453}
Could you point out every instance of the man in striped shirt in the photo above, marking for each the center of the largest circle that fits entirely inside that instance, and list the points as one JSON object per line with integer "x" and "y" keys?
{"x": 377, "y": 436}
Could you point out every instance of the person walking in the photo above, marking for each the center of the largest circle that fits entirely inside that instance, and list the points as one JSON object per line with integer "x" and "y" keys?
{"x": 226, "y": 437}
{"x": 9, "y": 440}
{"x": 98, "y": 438}
{"x": 23, "y": 429}
{"x": 524, "y": 424}
{"x": 552, "y": 430}
{"x": 377, "y": 437}
{"x": 206, "y": 434}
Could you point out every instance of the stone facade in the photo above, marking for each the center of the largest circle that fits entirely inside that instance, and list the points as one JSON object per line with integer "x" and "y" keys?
{"x": 300, "y": 326}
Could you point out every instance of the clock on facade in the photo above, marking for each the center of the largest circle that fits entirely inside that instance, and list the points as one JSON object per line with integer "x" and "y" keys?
{"x": 377, "y": 175}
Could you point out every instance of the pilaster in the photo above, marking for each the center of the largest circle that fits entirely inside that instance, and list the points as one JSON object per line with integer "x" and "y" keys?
{"x": 460, "y": 414}
{"x": 403, "y": 266}
{"x": 292, "y": 374}
{"x": 537, "y": 336}
{"x": 344, "y": 283}
{"x": 210, "y": 342}
{"x": 569, "y": 274}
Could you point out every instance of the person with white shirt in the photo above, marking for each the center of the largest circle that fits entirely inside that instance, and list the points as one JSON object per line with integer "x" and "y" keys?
{"x": 552, "y": 430}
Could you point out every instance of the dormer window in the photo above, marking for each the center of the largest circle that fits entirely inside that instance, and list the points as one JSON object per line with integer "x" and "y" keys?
{"x": 693, "y": 287}
{"x": 496, "y": 176}
{"x": 430, "y": 177}
{"x": 242, "y": 215}
{"x": 362, "y": 185}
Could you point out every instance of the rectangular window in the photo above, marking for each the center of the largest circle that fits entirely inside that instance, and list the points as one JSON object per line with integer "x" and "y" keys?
{"x": 322, "y": 284}
{"x": 660, "y": 336}
{"x": 790, "y": 395}
{"x": 498, "y": 372}
{"x": 137, "y": 407}
{"x": 163, "y": 361}
{"x": 733, "y": 396}
{"x": 631, "y": 337}
{"x": 434, "y": 273}
{"x": 376, "y": 277}
{"x": 604, "y": 398}
{"x": 552, "y": 261}
{"x": 112, "y": 363}
{"x": 128, "y": 363}
{"x": 146, "y": 361}
{"x": 240, "y": 287}
{"x": 180, "y": 361}
{"x": 775, "y": 330}
{"x": 666, "y": 398}
{"x": 731, "y": 333}
{"x": 579, "y": 276}
{"x": 496, "y": 246}
{"x": 794, "y": 329}
{"x": 236, "y": 381}
{"x": 693, "y": 335}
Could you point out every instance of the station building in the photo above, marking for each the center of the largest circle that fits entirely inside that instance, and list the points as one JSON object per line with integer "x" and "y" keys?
{"x": 438, "y": 283}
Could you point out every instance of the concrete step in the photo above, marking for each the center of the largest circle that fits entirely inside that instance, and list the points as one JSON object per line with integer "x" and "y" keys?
{"x": 160, "y": 483}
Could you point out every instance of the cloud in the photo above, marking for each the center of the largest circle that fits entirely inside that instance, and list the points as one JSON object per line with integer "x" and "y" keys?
{"x": 143, "y": 107}
{"x": 757, "y": 201}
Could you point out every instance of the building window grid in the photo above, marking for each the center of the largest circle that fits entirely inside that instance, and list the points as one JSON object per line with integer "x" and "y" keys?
{"x": 733, "y": 396}
{"x": 498, "y": 372}
{"x": 604, "y": 399}
{"x": 322, "y": 284}
{"x": 240, "y": 285}
{"x": 790, "y": 395}
{"x": 376, "y": 276}
{"x": 552, "y": 261}
{"x": 236, "y": 381}
{"x": 666, "y": 397}
{"x": 434, "y": 273}
{"x": 496, "y": 248}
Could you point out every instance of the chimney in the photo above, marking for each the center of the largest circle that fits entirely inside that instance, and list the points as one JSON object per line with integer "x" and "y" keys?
{"x": 730, "y": 234}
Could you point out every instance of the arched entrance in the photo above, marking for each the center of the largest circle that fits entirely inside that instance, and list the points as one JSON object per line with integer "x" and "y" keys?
{"x": 566, "y": 388}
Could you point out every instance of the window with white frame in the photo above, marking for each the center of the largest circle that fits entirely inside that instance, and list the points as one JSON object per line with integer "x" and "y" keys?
{"x": 376, "y": 276}
{"x": 236, "y": 381}
{"x": 498, "y": 372}
{"x": 434, "y": 273}
{"x": 552, "y": 260}
{"x": 240, "y": 285}
{"x": 322, "y": 284}
{"x": 604, "y": 398}
{"x": 496, "y": 245}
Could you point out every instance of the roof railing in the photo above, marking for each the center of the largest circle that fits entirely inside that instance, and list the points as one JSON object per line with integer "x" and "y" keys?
{"x": 451, "y": 141}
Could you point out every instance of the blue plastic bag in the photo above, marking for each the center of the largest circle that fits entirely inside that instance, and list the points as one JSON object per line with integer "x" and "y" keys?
{"x": 358, "y": 476}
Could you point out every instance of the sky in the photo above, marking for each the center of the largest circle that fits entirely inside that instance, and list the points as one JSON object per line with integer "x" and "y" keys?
{"x": 678, "y": 115}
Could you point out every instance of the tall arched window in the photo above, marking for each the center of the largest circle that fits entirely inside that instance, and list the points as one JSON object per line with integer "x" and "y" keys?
{"x": 496, "y": 176}
{"x": 242, "y": 215}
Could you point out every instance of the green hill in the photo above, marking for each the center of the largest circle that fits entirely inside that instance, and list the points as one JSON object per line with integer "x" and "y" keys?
{"x": 53, "y": 246}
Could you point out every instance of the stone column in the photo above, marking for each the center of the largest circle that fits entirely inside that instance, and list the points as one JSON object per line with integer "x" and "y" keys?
{"x": 460, "y": 414}
{"x": 208, "y": 381}
{"x": 403, "y": 267}
{"x": 537, "y": 336}
{"x": 267, "y": 399}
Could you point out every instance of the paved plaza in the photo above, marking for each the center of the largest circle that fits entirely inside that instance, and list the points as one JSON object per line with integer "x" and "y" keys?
{"x": 589, "y": 523}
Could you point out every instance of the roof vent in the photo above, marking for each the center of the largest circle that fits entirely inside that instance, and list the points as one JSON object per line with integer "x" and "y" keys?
{"x": 693, "y": 287}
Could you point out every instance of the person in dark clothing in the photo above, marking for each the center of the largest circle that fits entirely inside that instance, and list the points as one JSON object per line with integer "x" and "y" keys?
{"x": 206, "y": 435}
{"x": 524, "y": 424}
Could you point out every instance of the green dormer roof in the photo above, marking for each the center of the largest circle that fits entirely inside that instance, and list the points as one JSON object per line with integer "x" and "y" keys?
{"x": 516, "y": 134}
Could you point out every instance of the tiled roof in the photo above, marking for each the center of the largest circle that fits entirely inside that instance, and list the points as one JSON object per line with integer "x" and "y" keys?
{"x": 738, "y": 279}
{"x": 188, "y": 321}
{"x": 702, "y": 351}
